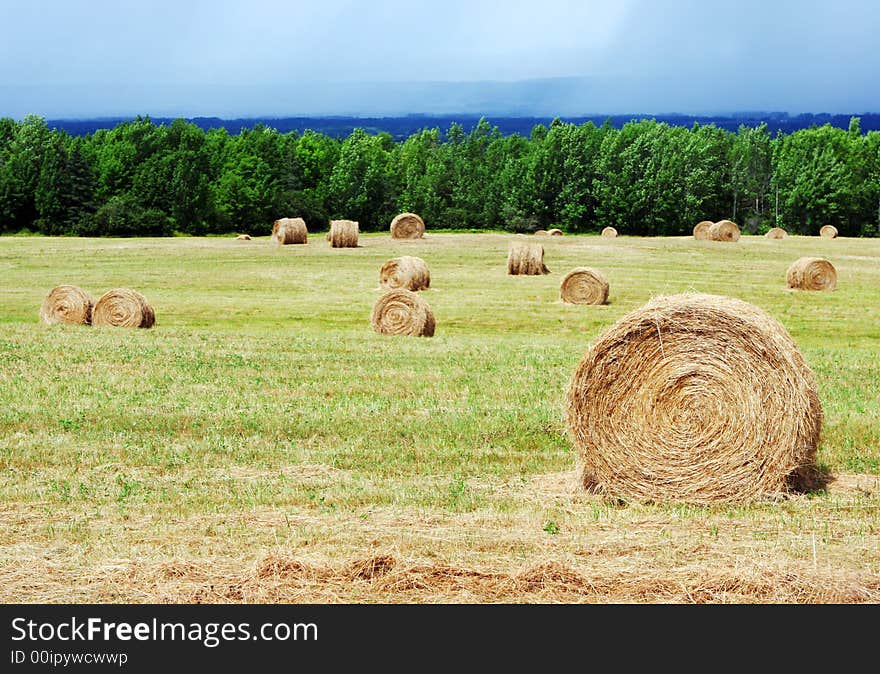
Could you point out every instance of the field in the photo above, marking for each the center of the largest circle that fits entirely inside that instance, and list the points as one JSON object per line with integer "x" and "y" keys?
{"x": 262, "y": 444}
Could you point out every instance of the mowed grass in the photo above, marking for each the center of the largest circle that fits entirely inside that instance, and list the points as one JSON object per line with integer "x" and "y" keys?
{"x": 262, "y": 444}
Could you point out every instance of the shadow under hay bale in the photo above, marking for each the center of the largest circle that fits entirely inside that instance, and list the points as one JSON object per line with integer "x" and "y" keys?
{"x": 123, "y": 308}
{"x": 811, "y": 273}
{"x": 402, "y": 312}
{"x": 407, "y": 272}
{"x": 724, "y": 230}
{"x": 776, "y": 233}
{"x": 701, "y": 230}
{"x": 343, "y": 233}
{"x": 67, "y": 304}
{"x": 407, "y": 226}
{"x": 828, "y": 232}
{"x": 584, "y": 285}
{"x": 694, "y": 398}
{"x": 289, "y": 231}
{"x": 524, "y": 258}
{"x": 609, "y": 232}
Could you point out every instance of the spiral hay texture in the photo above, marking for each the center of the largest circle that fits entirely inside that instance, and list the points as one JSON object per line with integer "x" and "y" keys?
{"x": 694, "y": 398}
{"x": 290, "y": 230}
{"x": 402, "y": 312}
{"x": 407, "y": 226}
{"x": 609, "y": 232}
{"x": 828, "y": 232}
{"x": 584, "y": 285}
{"x": 67, "y": 304}
{"x": 343, "y": 233}
{"x": 724, "y": 230}
{"x": 776, "y": 233}
{"x": 123, "y": 308}
{"x": 524, "y": 258}
{"x": 405, "y": 272}
{"x": 554, "y": 232}
{"x": 701, "y": 230}
{"x": 811, "y": 273}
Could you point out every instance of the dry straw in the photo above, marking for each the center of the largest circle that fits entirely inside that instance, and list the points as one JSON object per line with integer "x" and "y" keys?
{"x": 402, "y": 312}
{"x": 290, "y": 230}
{"x": 694, "y": 398}
{"x": 828, "y": 232}
{"x": 724, "y": 230}
{"x": 811, "y": 273}
{"x": 609, "y": 232}
{"x": 584, "y": 285}
{"x": 67, "y": 304}
{"x": 407, "y": 226}
{"x": 776, "y": 233}
{"x": 701, "y": 230}
{"x": 123, "y": 308}
{"x": 343, "y": 234}
{"x": 554, "y": 232}
{"x": 524, "y": 258}
{"x": 405, "y": 272}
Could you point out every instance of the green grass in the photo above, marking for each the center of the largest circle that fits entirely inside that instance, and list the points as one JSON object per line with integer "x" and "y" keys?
{"x": 262, "y": 389}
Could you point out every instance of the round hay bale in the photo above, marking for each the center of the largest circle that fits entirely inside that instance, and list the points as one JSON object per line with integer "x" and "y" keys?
{"x": 724, "y": 230}
{"x": 776, "y": 233}
{"x": 290, "y": 230}
{"x": 405, "y": 272}
{"x": 541, "y": 232}
{"x": 402, "y": 312}
{"x": 694, "y": 398}
{"x": 701, "y": 230}
{"x": 811, "y": 273}
{"x": 243, "y": 237}
{"x": 828, "y": 232}
{"x": 407, "y": 226}
{"x": 554, "y": 232}
{"x": 525, "y": 258}
{"x": 343, "y": 233}
{"x": 584, "y": 285}
{"x": 123, "y": 308}
{"x": 67, "y": 304}
{"x": 609, "y": 232}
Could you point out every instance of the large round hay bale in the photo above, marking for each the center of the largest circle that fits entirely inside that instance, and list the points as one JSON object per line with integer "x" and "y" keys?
{"x": 701, "y": 230}
{"x": 609, "y": 232}
{"x": 290, "y": 230}
{"x": 343, "y": 233}
{"x": 123, "y": 308}
{"x": 67, "y": 304}
{"x": 811, "y": 273}
{"x": 407, "y": 272}
{"x": 407, "y": 226}
{"x": 584, "y": 285}
{"x": 541, "y": 232}
{"x": 694, "y": 398}
{"x": 525, "y": 258}
{"x": 776, "y": 233}
{"x": 402, "y": 312}
{"x": 554, "y": 232}
{"x": 828, "y": 232}
{"x": 724, "y": 230}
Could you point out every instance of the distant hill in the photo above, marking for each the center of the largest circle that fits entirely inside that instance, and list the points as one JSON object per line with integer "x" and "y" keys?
{"x": 402, "y": 127}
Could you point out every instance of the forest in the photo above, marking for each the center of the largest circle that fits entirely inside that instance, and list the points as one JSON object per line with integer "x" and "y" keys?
{"x": 647, "y": 177}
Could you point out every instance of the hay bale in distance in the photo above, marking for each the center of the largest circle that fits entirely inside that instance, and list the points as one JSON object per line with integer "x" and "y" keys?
{"x": 694, "y": 398}
{"x": 724, "y": 230}
{"x": 828, "y": 232}
{"x": 123, "y": 308}
{"x": 584, "y": 285}
{"x": 701, "y": 230}
{"x": 343, "y": 233}
{"x": 554, "y": 232}
{"x": 776, "y": 233}
{"x": 541, "y": 232}
{"x": 402, "y": 312}
{"x": 67, "y": 304}
{"x": 243, "y": 237}
{"x": 407, "y": 226}
{"x": 811, "y": 273}
{"x": 609, "y": 232}
{"x": 290, "y": 230}
{"x": 407, "y": 272}
{"x": 525, "y": 258}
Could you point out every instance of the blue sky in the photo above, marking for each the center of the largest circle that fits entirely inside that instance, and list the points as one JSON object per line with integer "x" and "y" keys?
{"x": 69, "y": 58}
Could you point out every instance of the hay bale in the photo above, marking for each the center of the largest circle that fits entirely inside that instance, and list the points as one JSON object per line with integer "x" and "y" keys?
{"x": 290, "y": 230}
{"x": 811, "y": 273}
{"x": 405, "y": 272}
{"x": 541, "y": 232}
{"x": 828, "y": 232}
{"x": 776, "y": 233}
{"x": 609, "y": 232}
{"x": 343, "y": 233}
{"x": 407, "y": 226}
{"x": 554, "y": 232}
{"x": 243, "y": 237}
{"x": 525, "y": 258}
{"x": 694, "y": 398}
{"x": 67, "y": 304}
{"x": 701, "y": 230}
{"x": 402, "y": 312}
{"x": 724, "y": 230}
{"x": 584, "y": 285}
{"x": 123, "y": 308}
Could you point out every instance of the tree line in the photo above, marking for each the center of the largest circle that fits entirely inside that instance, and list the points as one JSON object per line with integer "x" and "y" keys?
{"x": 645, "y": 178}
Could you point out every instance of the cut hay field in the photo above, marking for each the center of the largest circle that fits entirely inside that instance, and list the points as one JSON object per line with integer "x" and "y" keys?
{"x": 262, "y": 444}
